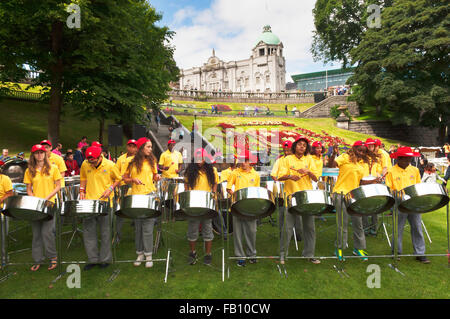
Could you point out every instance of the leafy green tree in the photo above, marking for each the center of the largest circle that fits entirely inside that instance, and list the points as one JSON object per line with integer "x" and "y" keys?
{"x": 115, "y": 64}
{"x": 404, "y": 66}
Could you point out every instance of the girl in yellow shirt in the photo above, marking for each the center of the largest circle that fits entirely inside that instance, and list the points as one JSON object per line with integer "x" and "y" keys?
{"x": 141, "y": 173}
{"x": 201, "y": 175}
{"x": 43, "y": 180}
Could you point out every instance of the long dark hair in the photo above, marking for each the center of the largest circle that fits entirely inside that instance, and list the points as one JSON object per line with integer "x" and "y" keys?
{"x": 32, "y": 164}
{"x": 355, "y": 158}
{"x": 139, "y": 159}
{"x": 294, "y": 145}
{"x": 193, "y": 170}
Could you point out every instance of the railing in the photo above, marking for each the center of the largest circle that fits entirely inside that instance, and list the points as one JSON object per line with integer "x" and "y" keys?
{"x": 242, "y": 95}
{"x": 23, "y": 95}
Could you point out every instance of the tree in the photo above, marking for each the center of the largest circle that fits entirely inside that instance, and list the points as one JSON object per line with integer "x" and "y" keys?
{"x": 114, "y": 64}
{"x": 404, "y": 66}
{"x": 339, "y": 26}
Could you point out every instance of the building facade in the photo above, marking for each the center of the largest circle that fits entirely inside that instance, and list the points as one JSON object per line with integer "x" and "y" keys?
{"x": 319, "y": 81}
{"x": 264, "y": 71}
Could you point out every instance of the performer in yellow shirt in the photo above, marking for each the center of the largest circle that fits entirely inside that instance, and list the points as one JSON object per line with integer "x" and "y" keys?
{"x": 43, "y": 180}
{"x": 141, "y": 173}
{"x": 170, "y": 161}
{"x": 297, "y": 172}
{"x": 98, "y": 178}
{"x": 55, "y": 159}
{"x": 6, "y": 188}
{"x": 385, "y": 161}
{"x": 351, "y": 171}
{"x": 400, "y": 176}
{"x": 242, "y": 177}
{"x": 317, "y": 151}
{"x": 200, "y": 175}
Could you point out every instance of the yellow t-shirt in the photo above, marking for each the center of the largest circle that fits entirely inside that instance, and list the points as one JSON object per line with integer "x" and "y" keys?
{"x": 446, "y": 149}
{"x": 398, "y": 178}
{"x": 318, "y": 163}
{"x": 122, "y": 164}
{"x": 376, "y": 169}
{"x": 350, "y": 174}
{"x": 99, "y": 179}
{"x": 41, "y": 184}
{"x": 58, "y": 161}
{"x": 225, "y": 174}
{"x": 292, "y": 163}
{"x": 5, "y": 186}
{"x": 202, "y": 181}
{"x": 242, "y": 179}
{"x": 385, "y": 159}
{"x": 276, "y": 167}
{"x": 171, "y": 160}
{"x": 146, "y": 177}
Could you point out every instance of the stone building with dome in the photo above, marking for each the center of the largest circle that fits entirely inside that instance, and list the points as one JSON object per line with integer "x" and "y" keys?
{"x": 264, "y": 71}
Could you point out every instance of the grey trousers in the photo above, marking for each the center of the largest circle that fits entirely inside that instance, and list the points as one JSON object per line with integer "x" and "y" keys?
{"x": 370, "y": 222}
{"x": 207, "y": 233}
{"x": 359, "y": 239}
{"x": 119, "y": 225}
{"x": 308, "y": 235}
{"x": 244, "y": 230}
{"x": 91, "y": 242}
{"x": 43, "y": 240}
{"x": 418, "y": 241}
{"x": 298, "y": 224}
{"x": 144, "y": 235}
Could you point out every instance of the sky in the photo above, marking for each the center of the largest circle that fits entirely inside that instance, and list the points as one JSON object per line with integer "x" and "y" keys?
{"x": 231, "y": 27}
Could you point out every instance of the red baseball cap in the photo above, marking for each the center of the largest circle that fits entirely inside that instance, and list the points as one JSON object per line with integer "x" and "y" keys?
{"x": 141, "y": 142}
{"x": 317, "y": 144}
{"x": 93, "y": 151}
{"x": 404, "y": 152}
{"x": 96, "y": 144}
{"x": 377, "y": 142}
{"x": 171, "y": 142}
{"x": 287, "y": 143}
{"x": 131, "y": 142}
{"x": 46, "y": 142}
{"x": 38, "y": 147}
{"x": 358, "y": 143}
{"x": 301, "y": 137}
{"x": 370, "y": 141}
{"x": 2, "y": 163}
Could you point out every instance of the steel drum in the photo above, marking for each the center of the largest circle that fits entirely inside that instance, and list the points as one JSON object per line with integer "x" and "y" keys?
{"x": 28, "y": 208}
{"x": 72, "y": 180}
{"x": 277, "y": 189}
{"x": 222, "y": 195}
{"x": 423, "y": 198}
{"x": 252, "y": 203}
{"x": 140, "y": 206}
{"x": 369, "y": 200}
{"x": 310, "y": 202}
{"x": 19, "y": 189}
{"x": 14, "y": 169}
{"x": 327, "y": 171}
{"x": 84, "y": 208}
{"x": 169, "y": 188}
{"x": 196, "y": 204}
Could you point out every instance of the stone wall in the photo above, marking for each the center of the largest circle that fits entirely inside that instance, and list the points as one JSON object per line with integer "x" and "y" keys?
{"x": 323, "y": 108}
{"x": 412, "y": 134}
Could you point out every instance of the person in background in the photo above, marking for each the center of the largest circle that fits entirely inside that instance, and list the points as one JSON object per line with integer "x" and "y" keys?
{"x": 430, "y": 175}
{"x": 447, "y": 172}
{"x": 55, "y": 159}
{"x": 6, "y": 189}
{"x": 5, "y": 155}
{"x": 21, "y": 156}
{"x": 57, "y": 149}
{"x": 446, "y": 149}
{"x": 82, "y": 143}
{"x": 78, "y": 155}
{"x": 170, "y": 161}
{"x": 71, "y": 164}
{"x": 43, "y": 180}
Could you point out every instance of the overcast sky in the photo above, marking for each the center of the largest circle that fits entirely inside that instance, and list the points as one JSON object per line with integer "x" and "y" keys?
{"x": 231, "y": 27}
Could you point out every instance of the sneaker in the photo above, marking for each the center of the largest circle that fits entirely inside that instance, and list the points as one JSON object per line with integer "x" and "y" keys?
{"x": 207, "y": 259}
{"x": 105, "y": 265}
{"x": 373, "y": 232}
{"x": 253, "y": 261}
{"x": 361, "y": 253}
{"x": 139, "y": 260}
{"x": 192, "y": 258}
{"x": 423, "y": 259}
{"x": 339, "y": 254}
{"x": 148, "y": 261}
{"x": 241, "y": 263}
{"x": 314, "y": 261}
{"x": 89, "y": 266}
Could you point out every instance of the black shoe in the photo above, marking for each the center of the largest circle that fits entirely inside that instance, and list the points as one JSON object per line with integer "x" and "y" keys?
{"x": 89, "y": 266}
{"x": 423, "y": 259}
{"x": 192, "y": 258}
{"x": 207, "y": 259}
{"x": 105, "y": 265}
{"x": 253, "y": 261}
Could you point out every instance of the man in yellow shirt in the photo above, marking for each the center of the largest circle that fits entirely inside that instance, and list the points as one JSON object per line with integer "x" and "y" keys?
{"x": 170, "y": 161}
{"x": 6, "y": 189}
{"x": 55, "y": 159}
{"x": 400, "y": 176}
{"x": 98, "y": 178}
{"x": 242, "y": 177}
{"x": 298, "y": 171}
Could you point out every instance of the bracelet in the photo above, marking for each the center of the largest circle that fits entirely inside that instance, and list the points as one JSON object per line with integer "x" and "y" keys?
{"x": 111, "y": 188}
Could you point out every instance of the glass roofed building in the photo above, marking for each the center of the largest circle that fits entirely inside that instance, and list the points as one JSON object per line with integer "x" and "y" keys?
{"x": 319, "y": 81}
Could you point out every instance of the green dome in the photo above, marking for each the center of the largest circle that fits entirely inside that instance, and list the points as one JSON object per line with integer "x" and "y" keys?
{"x": 268, "y": 37}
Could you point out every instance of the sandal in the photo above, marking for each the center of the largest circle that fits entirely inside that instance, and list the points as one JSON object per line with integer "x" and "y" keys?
{"x": 35, "y": 267}
{"x": 53, "y": 264}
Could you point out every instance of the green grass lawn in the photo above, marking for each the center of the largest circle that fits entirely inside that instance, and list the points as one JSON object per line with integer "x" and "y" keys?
{"x": 261, "y": 280}
{"x": 25, "y": 124}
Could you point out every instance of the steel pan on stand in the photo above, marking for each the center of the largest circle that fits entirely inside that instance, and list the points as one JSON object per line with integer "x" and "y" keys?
{"x": 252, "y": 203}
{"x": 310, "y": 202}
{"x": 85, "y": 208}
{"x": 224, "y": 203}
{"x": 196, "y": 204}
{"x": 422, "y": 198}
{"x": 28, "y": 208}
{"x": 369, "y": 200}
{"x": 140, "y": 206}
